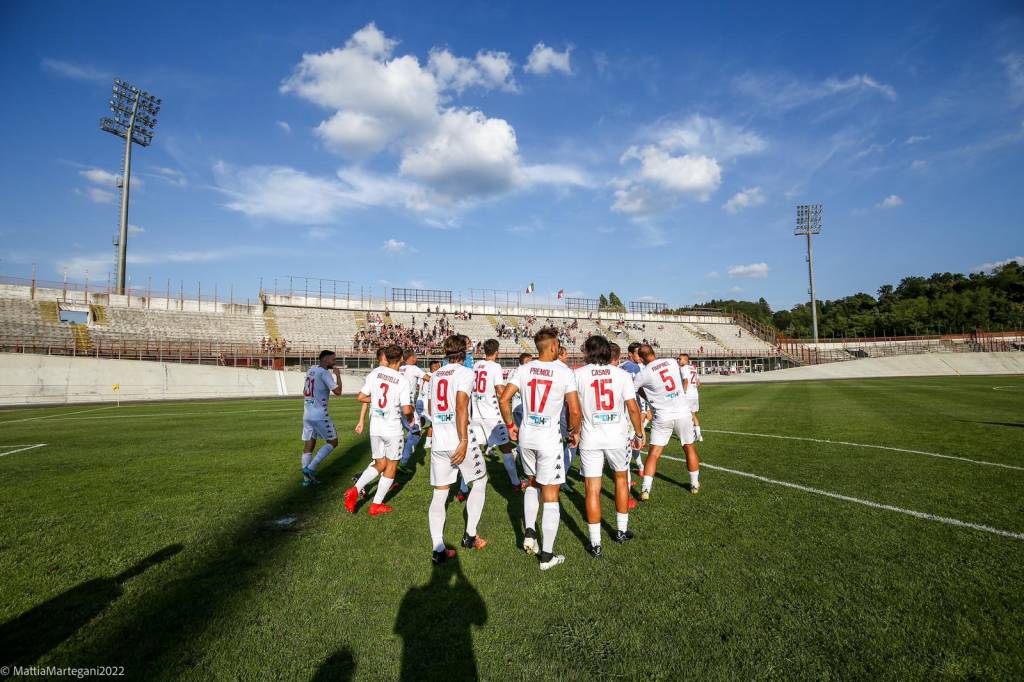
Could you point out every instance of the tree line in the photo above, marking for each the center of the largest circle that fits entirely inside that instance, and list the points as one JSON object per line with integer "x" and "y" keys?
{"x": 940, "y": 304}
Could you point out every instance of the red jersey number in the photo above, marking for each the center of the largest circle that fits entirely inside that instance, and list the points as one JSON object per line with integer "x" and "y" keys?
{"x": 442, "y": 395}
{"x": 603, "y": 396}
{"x": 383, "y": 401}
{"x": 308, "y": 390}
{"x": 545, "y": 384}
{"x": 481, "y": 382}
{"x": 670, "y": 383}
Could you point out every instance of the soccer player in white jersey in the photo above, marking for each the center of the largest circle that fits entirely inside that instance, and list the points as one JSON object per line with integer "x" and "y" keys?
{"x": 455, "y": 450}
{"x": 415, "y": 376}
{"x": 321, "y": 382}
{"x": 568, "y": 451}
{"x": 607, "y": 399}
{"x": 692, "y": 394}
{"x": 632, "y": 365}
{"x": 388, "y": 394}
{"x": 661, "y": 381}
{"x": 425, "y": 392}
{"x": 486, "y": 422}
{"x": 546, "y": 385}
{"x": 631, "y": 433}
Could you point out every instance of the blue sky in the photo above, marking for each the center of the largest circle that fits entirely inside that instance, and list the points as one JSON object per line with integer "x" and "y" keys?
{"x": 657, "y": 151}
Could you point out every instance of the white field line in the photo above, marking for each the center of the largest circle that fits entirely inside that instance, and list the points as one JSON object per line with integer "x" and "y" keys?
{"x": 874, "y": 447}
{"x": 867, "y": 503}
{"x": 21, "y": 448}
{"x": 157, "y": 414}
{"x": 1009, "y": 388}
{"x": 59, "y": 414}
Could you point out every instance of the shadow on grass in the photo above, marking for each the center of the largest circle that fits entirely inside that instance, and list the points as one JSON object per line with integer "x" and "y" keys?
{"x": 42, "y": 628}
{"x": 164, "y": 632}
{"x": 339, "y": 667}
{"x": 435, "y": 623}
{"x": 1016, "y": 425}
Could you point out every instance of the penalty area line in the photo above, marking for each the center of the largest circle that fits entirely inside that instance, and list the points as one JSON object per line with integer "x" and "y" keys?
{"x": 949, "y": 521}
{"x": 939, "y": 455}
{"x": 20, "y": 448}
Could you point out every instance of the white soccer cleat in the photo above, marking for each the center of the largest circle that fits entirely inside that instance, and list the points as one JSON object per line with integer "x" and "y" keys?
{"x": 531, "y": 546}
{"x": 551, "y": 561}
{"x": 694, "y": 489}
{"x": 645, "y": 495}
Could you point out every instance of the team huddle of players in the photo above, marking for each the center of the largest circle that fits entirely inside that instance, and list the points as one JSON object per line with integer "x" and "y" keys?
{"x": 600, "y": 411}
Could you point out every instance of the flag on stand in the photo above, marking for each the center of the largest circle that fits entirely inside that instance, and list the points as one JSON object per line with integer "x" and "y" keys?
{"x": 529, "y": 289}
{"x": 561, "y": 293}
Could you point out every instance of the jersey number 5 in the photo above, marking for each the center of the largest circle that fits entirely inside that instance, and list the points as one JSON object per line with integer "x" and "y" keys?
{"x": 670, "y": 383}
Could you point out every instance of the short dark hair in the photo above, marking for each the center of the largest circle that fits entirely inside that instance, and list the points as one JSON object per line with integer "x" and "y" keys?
{"x": 380, "y": 354}
{"x": 435, "y": 362}
{"x": 491, "y": 346}
{"x": 523, "y": 357}
{"x": 598, "y": 350}
{"x": 616, "y": 351}
{"x": 455, "y": 348}
{"x": 685, "y": 355}
{"x": 633, "y": 347}
{"x": 392, "y": 353}
{"x": 409, "y": 352}
{"x": 326, "y": 353}
{"x": 646, "y": 352}
{"x": 544, "y": 337}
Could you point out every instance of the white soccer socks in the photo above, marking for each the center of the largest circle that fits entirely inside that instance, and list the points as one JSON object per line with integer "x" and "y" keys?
{"x": 475, "y": 505}
{"x": 531, "y": 505}
{"x": 695, "y": 479}
{"x": 382, "y": 489}
{"x": 622, "y": 521}
{"x": 510, "y": 466}
{"x": 321, "y": 453}
{"x": 648, "y": 482}
{"x": 595, "y": 533}
{"x": 549, "y": 524}
{"x": 436, "y": 517}
{"x": 366, "y": 478}
{"x": 307, "y": 457}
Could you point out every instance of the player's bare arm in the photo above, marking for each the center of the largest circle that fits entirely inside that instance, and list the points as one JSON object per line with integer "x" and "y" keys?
{"x": 462, "y": 425}
{"x": 362, "y": 416}
{"x": 505, "y": 405}
{"x": 572, "y": 403}
{"x": 637, "y": 420}
{"x": 337, "y": 381}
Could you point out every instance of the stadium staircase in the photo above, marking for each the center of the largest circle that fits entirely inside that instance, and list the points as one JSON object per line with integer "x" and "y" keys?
{"x": 512, "y": 322}
{"x": 48, "y": 311}
{"x": 714, "y": 339}
{"x": 270, "y": 322}
{"x": 387, "y": 318}
{"x": 361, "y": 325}
{"x": 83, "y": 341}
{"x": 98, "y": 314}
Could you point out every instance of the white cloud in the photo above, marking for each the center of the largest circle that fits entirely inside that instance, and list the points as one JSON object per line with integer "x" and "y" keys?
{"x": 706, "y": 135}
{"x": 754, "y": 270}
{"x": 284, "y": 126}
{"x": 396, "y": 246}
{"x": 78, "y": 72}
{"x": 891, "y": 201}
{"x": 694, "y": 174}
{"x": 96, "y": 195}
{"x": 713, "y": 275}
{"x": 735, "y": 290}
{"x": 1014, "y": 63}
{"x": 135, "y": 229}
{"x": 102, "y": 263}
{"x": 319, "y": 232}
{"x": 991, "y": 267}
{"x": 100, "y": 176}
{"x": 917, "y": 139}
{"x": 172, "y": 176}
{"x": 873, "y": 148}
{"x": 544, "y": 60}
{"x": 751, "y": 196}
{"x": 918, "y": 165}
{"x": 783, "y": 94}
{"x": 383, "y": 102}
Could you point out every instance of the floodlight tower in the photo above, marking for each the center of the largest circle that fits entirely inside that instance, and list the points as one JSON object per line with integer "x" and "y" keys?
{"x": 134, "y": 120}
{"x": 808, "y": 222}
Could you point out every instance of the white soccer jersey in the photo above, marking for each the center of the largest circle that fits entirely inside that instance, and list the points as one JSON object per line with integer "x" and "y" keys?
{"x": 389, "y": 392}
{"x": 487, "y": 383}
{"x": 544, "y": 386}
{"x": 662, "y": 382}
{"x": 414, "y": 375}
{"x": 604, "y": 390}
{"x": 445, "y": 385}
{"x": 692, "y": 382}
{"x": 317, "y": 390}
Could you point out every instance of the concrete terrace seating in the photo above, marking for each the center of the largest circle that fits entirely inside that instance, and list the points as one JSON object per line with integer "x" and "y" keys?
{"x": 734, "y": 338}
{"x": 173, "y": 325}
{"x": 21, "y": 318}
{"x": 315, "y": 326}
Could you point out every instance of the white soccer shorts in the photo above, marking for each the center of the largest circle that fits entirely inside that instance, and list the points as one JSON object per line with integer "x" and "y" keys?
{"x": 592, "y": 461}
{"x": 321, "y": 428}
{"x": 389, "y": 447}
{"x": 443, "y": 472}
{"x": 546, "y": 466}
{"x": 490, "y": 431}
{"x": 694, "y": 404}
{"x": 662, "y": 430}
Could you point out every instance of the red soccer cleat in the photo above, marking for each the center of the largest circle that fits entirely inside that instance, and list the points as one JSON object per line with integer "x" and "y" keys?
{"x": 378, "y": 509}
{"x": 632, "y": 504}
{"x": 461, "y": 496}
{"x": 351, "y": 499}
{"x": 523, "y": 485}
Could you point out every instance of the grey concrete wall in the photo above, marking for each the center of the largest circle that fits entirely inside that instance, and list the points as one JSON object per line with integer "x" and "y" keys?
{"x": 41, "y": 379}
{"x": 929, "y": 364}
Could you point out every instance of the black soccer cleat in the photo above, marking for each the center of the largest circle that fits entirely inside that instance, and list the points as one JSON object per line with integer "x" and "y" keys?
{"x": 623, "y": 536}
{"x": 438, "y": 558}
{"x": 595, "y": 551}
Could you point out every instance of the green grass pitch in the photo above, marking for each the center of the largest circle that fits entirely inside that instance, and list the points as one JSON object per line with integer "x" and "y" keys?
{"x": 144, "y": 536}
